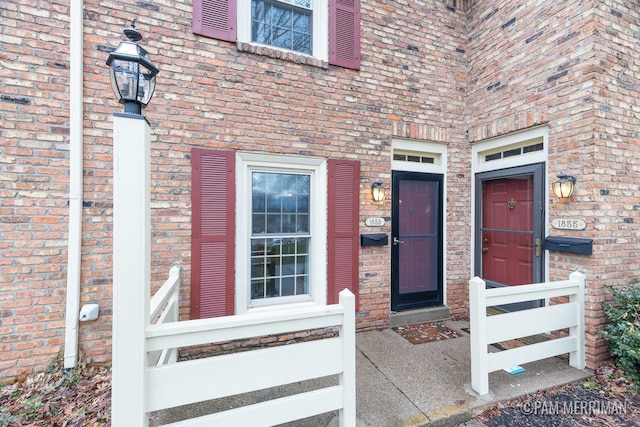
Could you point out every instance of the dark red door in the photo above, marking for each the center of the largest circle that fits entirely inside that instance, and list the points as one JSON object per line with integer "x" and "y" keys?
{"x": 416, "y": 254}
{"x": 509, "y": 228}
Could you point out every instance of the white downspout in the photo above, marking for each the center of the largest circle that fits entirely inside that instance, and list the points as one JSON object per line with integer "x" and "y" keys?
{"x": 76, "y": 86}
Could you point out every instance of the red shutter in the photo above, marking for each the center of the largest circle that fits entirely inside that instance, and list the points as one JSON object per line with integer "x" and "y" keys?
{"x": 343, "y": 228}
{"x": 215, "y": 18}
{"x": 344, "y": 33}
{"x": 212, "y": 233}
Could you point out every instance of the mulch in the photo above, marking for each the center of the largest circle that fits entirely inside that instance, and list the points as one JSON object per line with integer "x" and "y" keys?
{"x": 607, "y": 400}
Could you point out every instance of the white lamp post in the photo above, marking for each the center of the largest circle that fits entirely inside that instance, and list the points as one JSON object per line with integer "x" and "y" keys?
{"x": 133, "y": 81}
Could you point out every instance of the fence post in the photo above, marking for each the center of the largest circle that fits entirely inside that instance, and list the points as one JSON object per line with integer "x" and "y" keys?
{"x": 577, "y": 358}
{"x": 347, "y": 415}
{"x": 131, "y": 269}
{"x": 478, "y": 339}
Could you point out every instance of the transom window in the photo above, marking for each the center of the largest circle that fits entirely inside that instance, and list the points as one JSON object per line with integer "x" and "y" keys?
{"x": 280, "y": 234}
{"x": 285, "y": 24}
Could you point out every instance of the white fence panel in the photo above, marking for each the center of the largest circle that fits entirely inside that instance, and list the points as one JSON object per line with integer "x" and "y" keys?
{"x": 182, "y": 383}
{"x": 486, "y": 330}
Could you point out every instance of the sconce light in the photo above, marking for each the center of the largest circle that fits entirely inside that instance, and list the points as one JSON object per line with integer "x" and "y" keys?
{"x": 377, "y": 191}
{"x": 563, "y": 187}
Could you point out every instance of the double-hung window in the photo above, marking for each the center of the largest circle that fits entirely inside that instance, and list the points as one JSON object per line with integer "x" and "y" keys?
{"x": 326, "y": 30}
{"x": 286, "y": 24}
{"x": 271, "y": 231}
{"x": 280, "y": 234}
{"x": 281, "y": 240}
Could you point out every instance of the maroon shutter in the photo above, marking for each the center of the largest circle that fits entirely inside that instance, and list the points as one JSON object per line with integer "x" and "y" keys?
{"x": 344, "y": 33}
{"x": 212, "y": 233}
{"x": 215, "y": 18}
{"x": 343, "y": 228}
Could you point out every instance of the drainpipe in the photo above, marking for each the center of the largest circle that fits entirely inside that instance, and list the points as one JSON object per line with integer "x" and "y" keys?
{"x": 76, "y": 86}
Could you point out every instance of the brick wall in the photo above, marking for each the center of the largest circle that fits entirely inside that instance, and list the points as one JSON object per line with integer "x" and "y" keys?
{"x": 209, "y": 94}
{"x": 571, "y": 66}
{"x": 454, "y": 71}
{"x": 612, "y": 182}
{"x": 33, "y": 183}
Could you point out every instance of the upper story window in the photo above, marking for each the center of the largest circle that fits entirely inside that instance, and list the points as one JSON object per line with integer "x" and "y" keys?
{"x": 284, "y": 24}
{"x": 325, "y": 30}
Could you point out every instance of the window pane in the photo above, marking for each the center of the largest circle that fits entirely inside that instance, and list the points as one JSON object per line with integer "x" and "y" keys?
{"x": 274, "y": 224}
{"x": 288, "y": 286}
{"x": 302, "y": 203}
{"x": 259, "y": 225}
{"x": 303, "y": 223}
{"x": 257, "y": 289}
{"x": 302, "y": 246}
{"x": 258, "y": 201}
{"x": 288, "y": 223}
{"x": 289, "y": 203}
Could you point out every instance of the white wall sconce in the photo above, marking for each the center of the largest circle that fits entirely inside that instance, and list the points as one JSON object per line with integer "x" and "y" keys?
{"x": 377, "y": 191}
{"x": 563, "y": 187}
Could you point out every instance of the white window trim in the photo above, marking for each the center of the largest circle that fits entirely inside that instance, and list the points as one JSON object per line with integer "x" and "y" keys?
{"x": 245, "y": 163}
{"x": 518, "y": 139}
{"x": 320, "y": 28}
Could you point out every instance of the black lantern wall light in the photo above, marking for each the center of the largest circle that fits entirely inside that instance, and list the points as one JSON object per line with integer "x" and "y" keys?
{"x": 563, "y": 187}
{"x": 377, "y": 192}
{"x": 133, "y": 75}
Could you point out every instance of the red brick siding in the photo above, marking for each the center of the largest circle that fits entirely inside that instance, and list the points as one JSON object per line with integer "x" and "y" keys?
{"x": 570, "y": 66}
{"x": 428, "y": 72}
{"x": 209, "y": 94}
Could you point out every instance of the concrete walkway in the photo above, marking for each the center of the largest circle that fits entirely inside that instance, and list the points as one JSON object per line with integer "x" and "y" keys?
{"x": 400, "y": 384}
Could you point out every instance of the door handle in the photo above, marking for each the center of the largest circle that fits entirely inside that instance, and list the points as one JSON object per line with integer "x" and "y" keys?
{"x": 538, "y": 246}
{"x": 485, "y": 249}
{"x": 396, "y": 241}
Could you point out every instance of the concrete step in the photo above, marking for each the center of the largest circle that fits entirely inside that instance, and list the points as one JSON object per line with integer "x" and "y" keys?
{"x": 419, "y": 315}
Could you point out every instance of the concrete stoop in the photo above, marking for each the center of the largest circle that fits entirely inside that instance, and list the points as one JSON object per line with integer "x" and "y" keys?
{"x": 421, "y": 315}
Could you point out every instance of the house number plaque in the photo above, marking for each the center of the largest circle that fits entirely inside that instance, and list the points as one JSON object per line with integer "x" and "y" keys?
{"x": 374, "y": 222}
{"x": 569, "y": 224}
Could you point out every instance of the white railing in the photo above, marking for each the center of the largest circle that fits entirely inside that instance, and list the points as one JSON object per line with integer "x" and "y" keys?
{"x": 216, "y": 377}
{"x": 164, "y": 307}
{"x": 487, "y": 330}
